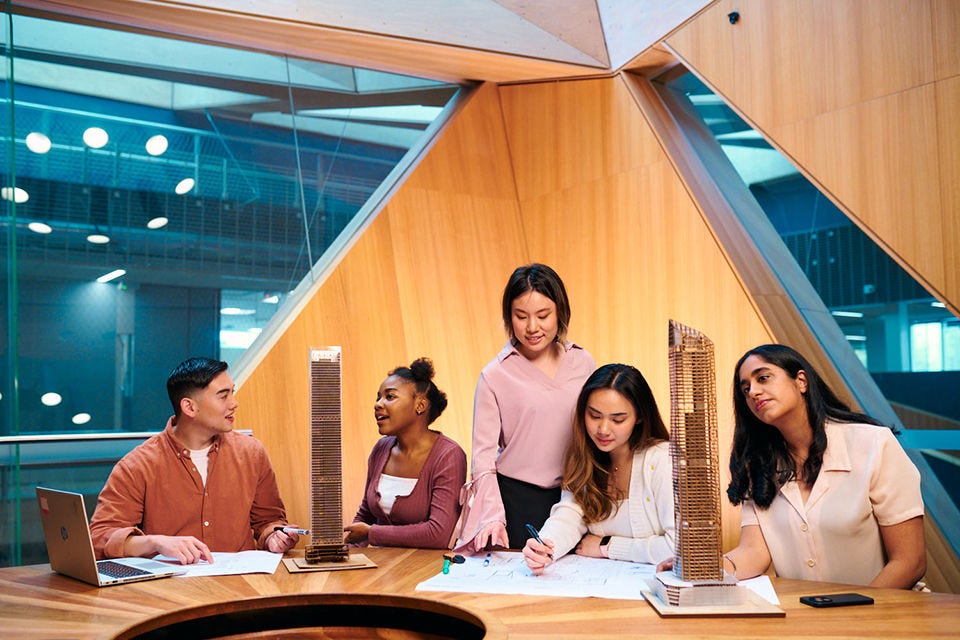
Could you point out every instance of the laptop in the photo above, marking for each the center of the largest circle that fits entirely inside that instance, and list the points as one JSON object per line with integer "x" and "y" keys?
{"x": 70, "y": 546}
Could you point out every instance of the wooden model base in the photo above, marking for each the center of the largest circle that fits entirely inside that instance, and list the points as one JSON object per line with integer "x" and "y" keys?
{"x": 354, "y": 561}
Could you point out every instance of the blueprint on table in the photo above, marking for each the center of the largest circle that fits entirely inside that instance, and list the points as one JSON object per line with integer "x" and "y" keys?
{"x": 571, "y": 575}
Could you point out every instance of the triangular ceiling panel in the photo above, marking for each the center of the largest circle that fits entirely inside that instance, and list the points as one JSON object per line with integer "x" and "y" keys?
{"x": 577, "y": 23}
{"x": 472, "y": 24}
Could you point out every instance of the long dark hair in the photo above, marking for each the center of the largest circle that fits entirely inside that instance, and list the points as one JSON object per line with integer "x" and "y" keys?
{"x": 760, "y": 462}
{"x": 586, "y": 468}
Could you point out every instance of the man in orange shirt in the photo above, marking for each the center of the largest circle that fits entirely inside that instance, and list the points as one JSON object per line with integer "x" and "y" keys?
{"x": 196, "y": 487}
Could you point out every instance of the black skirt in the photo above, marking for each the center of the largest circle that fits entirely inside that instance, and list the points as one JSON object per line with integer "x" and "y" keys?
{"x": 525, "y": 503}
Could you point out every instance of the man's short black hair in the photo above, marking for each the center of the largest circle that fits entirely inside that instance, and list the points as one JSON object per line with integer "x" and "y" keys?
{"x": 191, "y": 375}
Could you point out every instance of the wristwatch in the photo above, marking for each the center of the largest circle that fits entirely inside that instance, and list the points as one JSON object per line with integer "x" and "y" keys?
{"x": 604, "y": 542}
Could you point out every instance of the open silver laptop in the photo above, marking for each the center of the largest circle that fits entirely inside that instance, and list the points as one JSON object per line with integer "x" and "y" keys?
{"x": 70, "y": 546}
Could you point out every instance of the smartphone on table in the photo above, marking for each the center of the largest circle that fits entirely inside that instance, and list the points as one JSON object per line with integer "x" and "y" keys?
{"x": 836, "y": 600}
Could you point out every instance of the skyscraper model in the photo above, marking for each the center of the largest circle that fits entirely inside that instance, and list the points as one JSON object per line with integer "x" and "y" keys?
{"x": 326, "y": 473}
{"x": 698, "y": 577}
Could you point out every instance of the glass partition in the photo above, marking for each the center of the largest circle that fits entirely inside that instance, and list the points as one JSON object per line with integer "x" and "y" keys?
{"x": 159, "y": 199}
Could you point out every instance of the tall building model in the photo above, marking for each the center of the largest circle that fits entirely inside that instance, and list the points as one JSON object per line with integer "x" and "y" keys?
{"x": 696, "y": 462}
{"x": 697, "y": 577}
{"x": 326, "y": 472}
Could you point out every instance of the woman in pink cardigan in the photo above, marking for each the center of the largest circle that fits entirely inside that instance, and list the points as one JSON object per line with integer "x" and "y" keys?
{"x": 414, "y": 473}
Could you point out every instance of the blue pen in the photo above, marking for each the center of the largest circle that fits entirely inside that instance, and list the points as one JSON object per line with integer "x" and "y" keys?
{"x": 536, "y": 536}
{"x": 486, "y": 561}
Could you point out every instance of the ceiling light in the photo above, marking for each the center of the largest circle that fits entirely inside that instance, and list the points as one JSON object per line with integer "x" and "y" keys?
{"x": 157, "y": 145}
{"x": 80, "y": 418}
{"x": 40, "y": 227}
{"x": 236, "y": 311}
{"x": 271, "y": 298}
{"x": 184, "y": 186}
{"x": 113, "y": 275}
{"x": 846, "y": 314}
{"x": 51, "y": 399}
{"x": 95, "y": 138}
{"x": 98, "y": 238}
{"x": 38, "y": 142}
{"x": 14, "y": 194}
{"x": 157, "y": 223}
{"x": 856, "y": 338}
{"x": 938, "y": 305}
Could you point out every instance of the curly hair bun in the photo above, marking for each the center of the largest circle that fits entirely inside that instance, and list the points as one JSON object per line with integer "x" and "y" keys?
{"x": 422, "y": 369}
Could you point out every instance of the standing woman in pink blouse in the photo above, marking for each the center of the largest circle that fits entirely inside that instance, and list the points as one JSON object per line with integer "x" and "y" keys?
{"x": 522, "y": 415}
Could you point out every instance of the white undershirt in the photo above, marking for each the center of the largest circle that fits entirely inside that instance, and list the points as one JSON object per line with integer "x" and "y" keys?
{"x": 392, "y": 487}
{"x": 199, "y": 459}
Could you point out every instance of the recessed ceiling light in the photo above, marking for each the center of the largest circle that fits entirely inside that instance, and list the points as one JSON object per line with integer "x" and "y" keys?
{"x": 95, "y": 138}
{"x": 51, "y": 399}
{"x": 236, "y": 311}
{"x": 113, "y": 275}
{"x": 157, "y": 223}
{"x": 184, "y": 186}
{"x": 40, "y": 227}
{"x": 14, "y": 194}
{"x": 271, "y": 299}
{"x": 157, "y": 145}
{"x": 38, "y": 142}
{"x": 98, "y": 238}
{"x": 80, "y": 418}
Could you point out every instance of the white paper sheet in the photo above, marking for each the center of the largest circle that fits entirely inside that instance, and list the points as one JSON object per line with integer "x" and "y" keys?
{"x": 571, "y": 576}
{"x": 227, "y": 564}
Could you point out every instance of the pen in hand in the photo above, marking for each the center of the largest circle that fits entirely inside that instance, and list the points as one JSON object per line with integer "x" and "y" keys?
{"x": 536, "y": 536}
{"x": 301, "y": 532}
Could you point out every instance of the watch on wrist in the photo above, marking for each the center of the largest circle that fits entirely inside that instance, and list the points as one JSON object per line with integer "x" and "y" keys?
{"x": 604, "y": 542}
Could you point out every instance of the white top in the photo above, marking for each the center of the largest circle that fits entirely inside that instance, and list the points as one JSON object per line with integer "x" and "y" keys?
{"x": 391, "y": 487}
{"x": 866, "y": 480}
{"x": 199, "y": 458}
{"x": 650, "y": 536}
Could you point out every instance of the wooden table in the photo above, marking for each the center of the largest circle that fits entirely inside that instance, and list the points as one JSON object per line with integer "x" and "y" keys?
{"x": 36, "y": 603}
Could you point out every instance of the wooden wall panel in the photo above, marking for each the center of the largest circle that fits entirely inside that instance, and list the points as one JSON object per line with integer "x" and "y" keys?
{"x": 625, "y": 236}
{"x": 788, "y": 61}
{"x": 550, "y": 156}
{"x": 946, "y": 37}
{"x": 859, "y": 96}
{"x": 422, "y": 280}
{"x": 948, "y": 135}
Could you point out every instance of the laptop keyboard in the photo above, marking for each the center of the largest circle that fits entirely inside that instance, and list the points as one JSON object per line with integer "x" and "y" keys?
{"x": 117, "y": 570}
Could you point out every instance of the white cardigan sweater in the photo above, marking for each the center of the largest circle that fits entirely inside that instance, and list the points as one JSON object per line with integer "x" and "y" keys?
{"x": 650, "y": 511}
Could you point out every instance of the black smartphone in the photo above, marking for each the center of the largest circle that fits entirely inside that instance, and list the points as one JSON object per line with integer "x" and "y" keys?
{"x": 836, "y": 600}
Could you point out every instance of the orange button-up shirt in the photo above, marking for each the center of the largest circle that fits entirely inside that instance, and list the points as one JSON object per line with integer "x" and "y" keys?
{"x": 156, "y": 489}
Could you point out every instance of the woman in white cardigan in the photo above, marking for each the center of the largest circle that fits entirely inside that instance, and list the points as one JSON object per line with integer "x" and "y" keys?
{"x": 617, "y": 499}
